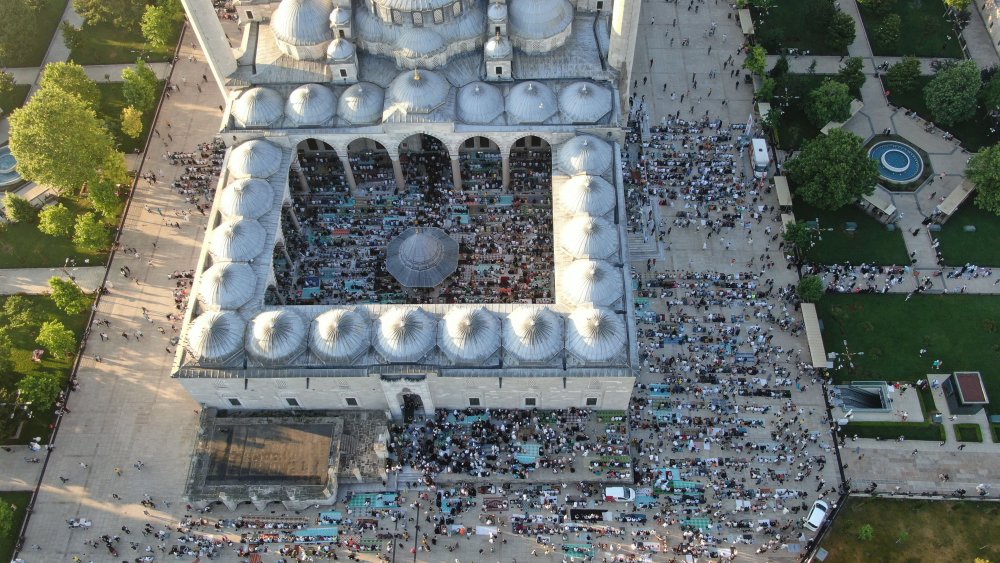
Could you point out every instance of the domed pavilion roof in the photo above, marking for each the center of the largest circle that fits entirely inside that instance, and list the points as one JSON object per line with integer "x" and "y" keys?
{"x": 258, "y": 107}
{"x": 256, "y": 159}
{"x": 591, "y": 281}
{"x": 215, "y": 337}
{"x": 584, "y": 102}
{"x": 539, "y": 19}
{"x": 584, "y": 193}
{"x": 585, "y": 154}
{"x": 276, "y": 337}
{"x": 531, "y": 102}
{"x": 311, "y": 104}
{"x": 497, "y": 11}
{"x": 340, "y": 335}
{"x": 498, "y": 47}
{"x": 340, "y": 49}
{"x": 405, "y": 334}
{"x": 302, "y": 22}
{"x": 227, "y": 285}
{"x": 469, "y": 335}
{"x": 586, "y": 236}
{"x": 418, "y": 91}
{"x": 361, "y": 104}
{"x": 237, "y": 241}
{"x": 595, "y": 334}
{"x": 533, "y": 334}
{"x": 422, "y": 257}
{"x": 340, "y": 17}
{"x": 246, "y": 197}
{"x": 479, "y": 102}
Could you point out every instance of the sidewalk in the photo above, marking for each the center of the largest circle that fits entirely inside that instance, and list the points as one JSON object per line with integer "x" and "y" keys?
{"x": 34, "y": 281}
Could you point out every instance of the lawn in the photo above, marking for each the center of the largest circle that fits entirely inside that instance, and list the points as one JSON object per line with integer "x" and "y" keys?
{"x": 893, "y": 430}
{"x": 24, "y": 246}
{"x": 791, "y": 93}
{"x": 886, "y": 332}
{"x": 44, "y": 24}
{"x": 10, "y": 101}
{"x": 871, "y": 243}
{"x": 20, "y": 500}
{"x": 795, "y": 24}
{"x": 110, "y": 109}
{"x": 968, "y": 433}
{"x": 959, "y": 247}
{"x": 106, "y": 43}
{"x": 914, "y": 531}
{"x": 974, "y": 133}
{"x": 924, "y": 31}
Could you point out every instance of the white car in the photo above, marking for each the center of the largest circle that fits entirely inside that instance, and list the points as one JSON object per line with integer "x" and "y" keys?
{"x": 817, "y": 514}
{"x": 619, "y": 494}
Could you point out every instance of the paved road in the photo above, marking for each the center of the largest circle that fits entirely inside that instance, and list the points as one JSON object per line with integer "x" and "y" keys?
{"x": 36, "y": 280}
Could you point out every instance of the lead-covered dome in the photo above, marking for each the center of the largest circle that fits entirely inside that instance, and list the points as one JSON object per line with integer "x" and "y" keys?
{"x": 533, "y": 334}
{"x": 276, "y": 337}
{"x": 215, "y": 337}
{"x": 361, "y": 104}
{"x": 498, "y": 47}
{"x": 497, "y": 12}
{"x": 246, "y": 197}
{"x": 584, "y": 102}
{"x": 311, "y": 104}
{"x": 591, "y": 281}
{"x": 479, "y": 102}
{"x": 534, "y": 20}
{"x": 421, "y": 257}
{"x": 227, "y": 285}
{"x": 257, "y": 107}
{"x": 419, "y": 42}
{"x": 595, "y": 334}
{"x": 340, "y": 50}
{"x": 238, "y": 240}
{"x": 340, "y": 17}
{"x": 585, "y": 154}
{"x": 420, "y": 91}
{"x": 531, "y": 102}
{"x": 586, "y": 236}
{"x": 339, "y": 335}
{"x": 255, "y": 159}
{"x": 584, "y": 193}
{"x": 405, "y": 334}
{"x": 302, "y": 22}
{"x": 469, "y": 335}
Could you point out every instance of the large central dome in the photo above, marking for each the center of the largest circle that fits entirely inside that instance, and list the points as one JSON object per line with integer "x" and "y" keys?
{"x": 422, "y": 257}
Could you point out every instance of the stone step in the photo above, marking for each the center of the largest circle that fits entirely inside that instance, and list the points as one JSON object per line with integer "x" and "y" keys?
{"x": 638, "y": 248}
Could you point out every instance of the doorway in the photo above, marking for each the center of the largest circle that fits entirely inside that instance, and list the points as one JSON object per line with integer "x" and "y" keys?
{"x": 412, "y": 406}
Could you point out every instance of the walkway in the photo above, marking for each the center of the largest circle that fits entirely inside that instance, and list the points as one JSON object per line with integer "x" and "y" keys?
{"x": 36, "y": 280}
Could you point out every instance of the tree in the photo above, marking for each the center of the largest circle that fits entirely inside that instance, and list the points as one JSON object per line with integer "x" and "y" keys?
{"x": 7, "y": 82}
{"x": 72, "y": 78}
{"x": 780, "y": 68}
{"x": 123, "y": 13}
{"x": 852, "y": 74}
{"x": 830, "y": 101}
{"x": 160, "y": 22}
{"x": 17, "y": 209}
{"x": 6, "y": 519}
{"x": 810, "y": 289}
{"x": 58, "y": 141}
{"x": 40, "y": 388}
{"x": 56, "y": 220}
{"x": 756, "y": 60}
{"x": 887, "y": 31}
{"x": 68, "y": 296}
{"x": 983, "y": 171}
{"x": 132, "y": 122}
{"x": 902, "y": 76}
{"x": 866, "y": 532}
{"x": 56, "y": 338}
{"x": 799, "y": 236}
{"x": 18, "y": 312}
{"x": 766, "y": 91}
{"x": 833, "y": 170}
{"x": 990, "y": 94}
{"x": 841, "y": 32}
{"x": 951, "y": 96}
{"x": 139, "y": 86}
{"x": 15, "y": 34}
{"x": 90, "y": 232}
{"x": 106, "y": 197}
{"x": 878, "y": 7}
{"x": 958, "y": 5}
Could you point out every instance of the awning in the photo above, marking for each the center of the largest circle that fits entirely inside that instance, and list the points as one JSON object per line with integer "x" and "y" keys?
{"x": 784, "y": 196}
{"x": 816, "y": 349}
{"x": 763, "y": 108}
{"x": 878, "y": 202}
{"x": 955, "y": 198}
{"x": 746, "y": 22}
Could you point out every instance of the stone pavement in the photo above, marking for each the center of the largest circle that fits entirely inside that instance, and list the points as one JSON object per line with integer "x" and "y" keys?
{"x": 36, "y": 280}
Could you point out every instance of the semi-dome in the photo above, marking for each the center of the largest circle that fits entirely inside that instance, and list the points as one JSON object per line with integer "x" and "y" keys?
{"x": 238, "y": 240}
{"x": 339, "y": 335}
{"x": 586, "y": 236}
{"x": 255, "y": 159}
{"x": 591, "y": 281}
{"x": 361, "y": 104}
{"x": 585, "y": 154}
{"x": 421, "y": 257}
{"x": 418, "y": 42}
{"x": 497, "y": 12}
{"x": 469, "y": 335}
{"x": 302, "y": 22}
{"x": 419, "y": 91}
{"x": 584, "y": 102}
{"x": 584, "y": 193}
{"x": 276, "y": 337}
{"x": 405, "y": 334}
{"x": 311, "y": 104}
{"x": 479, "y": 102}
{"x": 533, "y": 334}
{"x": 215, "y": 337}
{"x": 340, "y": 17}
{"x": 246, "y": 197}
{"x": 539, "y": 19}
{"x": 498, "y": 47}
{"x": 595, "y": 334}
{"x": 368, "y": 26}
{"x": 257, "y": 107}
{"x": 340, "y": 49}
{"x": 531, "y": 102}
{"x": 227, "y": 285}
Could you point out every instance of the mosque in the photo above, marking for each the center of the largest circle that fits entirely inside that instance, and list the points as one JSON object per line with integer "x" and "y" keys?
{"x": 421, "y": 207}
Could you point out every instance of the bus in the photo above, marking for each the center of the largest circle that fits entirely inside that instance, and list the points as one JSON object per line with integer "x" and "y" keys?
{"x": 761, "y": 157}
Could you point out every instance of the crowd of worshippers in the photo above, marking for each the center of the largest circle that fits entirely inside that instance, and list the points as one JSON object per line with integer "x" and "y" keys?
{"x": 201, "y": 171}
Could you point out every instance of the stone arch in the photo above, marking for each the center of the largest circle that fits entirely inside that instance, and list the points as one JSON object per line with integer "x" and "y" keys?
{"x": 480, "y": 159}
{"x": 372, "y": 166}
{"x": 426, "y": 164}
{"x": 317, "y": 168}
{"x": 531, "y": 165}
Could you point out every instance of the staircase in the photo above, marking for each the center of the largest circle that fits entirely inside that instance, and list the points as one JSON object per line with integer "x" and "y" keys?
{"x": 638, "y": 248}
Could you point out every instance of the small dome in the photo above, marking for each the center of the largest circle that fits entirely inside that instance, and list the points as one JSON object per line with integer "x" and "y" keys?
{"x": 479, "y": 102}
{"x": 276, "y": 337}
{"x": 405, "y": 334}
{"x": 368, "y": 26}
{"x": 215, "y": 337}
{"x": 361, "y": 104}
{"x": 585, "y": 154}
{"x": 247, "y": 197}
{"x": 584, "y": 193}
{"x": 340, "y": 17}
{"x": 497, "y": 12}
{"x": 539, "y": 19}
{"x": 257, "y": 107}
{"x": 595, "y": 335}
{"x": 418, "y": 42}
{"x": 531, "y": 102}
{"x": 311, "y": 104}
{"x": 533, "y": 334}
{"x": 498, "y": 48}
{"x": 419, "y": 91}
{"x": 340, "y": 50}
{"x": 470, "y": 335}
{"x": 256, "y": 159}
{"x": 585, "y": 236}
{"x": 339, "y": 335}
{"x": 302, "y": 22}
{"x": 591, "y": 281}
{"x": 239, "y": 240}
{"x": 584, "y": 102}
{"x": 421, "y": 257}
{"x": 227, "y": 285}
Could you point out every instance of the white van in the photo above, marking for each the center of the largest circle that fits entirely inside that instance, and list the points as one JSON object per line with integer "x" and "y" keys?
{"x": 817, "y": 514}
{"x": 619, "y": 494}
{"x": 761, "y": 158}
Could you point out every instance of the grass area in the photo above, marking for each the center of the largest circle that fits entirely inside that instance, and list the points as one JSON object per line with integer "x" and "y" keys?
{"x": 795, "y": 24}
{"x": 968, "y": 433}
{"x": 44, "y": 26}
{"x": 910, "y": 531}
{"x": 959, "y": 247}
{"x": 893, "y": 430}
{"x": 105, "y": 43}
{"x": 20, "y": 500}
{"x": 791, "y": 93}
{"x": 974, "y": 133}
{"x": 110, "y": 109}
{"x": 996, "y": 433}
{"x": 871, "y": 243}
{"x": 24, "y": 246}
{"x": 886, "y": 332}
{"x": 10, "y": 101}
{"x": 924, "y": 30}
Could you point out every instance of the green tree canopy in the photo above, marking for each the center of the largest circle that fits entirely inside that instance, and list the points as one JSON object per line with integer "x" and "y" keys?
{"x": 19, "y": 26}
{"x": 17, "y": 209}
{"x": 799, "y": 237}
{"x": 990, "y": 94}
{"x": 18, "y": 312}
{"x": 132, "y": 122}
{"x": 984, "y": 172}
{"x": 123, "y": 13}
{"x": 72, "y": 35}
{"x": 7, "y": 82}
{"x": 878, "y": 7}
{"x": 841, "y": 32}
{"x": 106, "y": 198}
{"x": 68, "y": 296}
{"x": 40, "y": 388}
{"x": 902, "y": 76}
{"x": 887, "y": 31}
{"x": 852, "y": 74}
{"x": 6, "y": 519}
{"x": 830, "y": 101}
{"x": 56, "y": 338}
{"x": 56, "y": 220}
{"x": 960, "y": 5}
{"x": 72, "y": 78}
{"x": 810, "y": 289}
{"x": 90, "y": 232}
{"x": 953, "y": 93}
{"x": 139, "y": 86}
{"x": 833, "y": 170}
{"x": 161, "y": 21}
{"x": 756, "y": 60}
